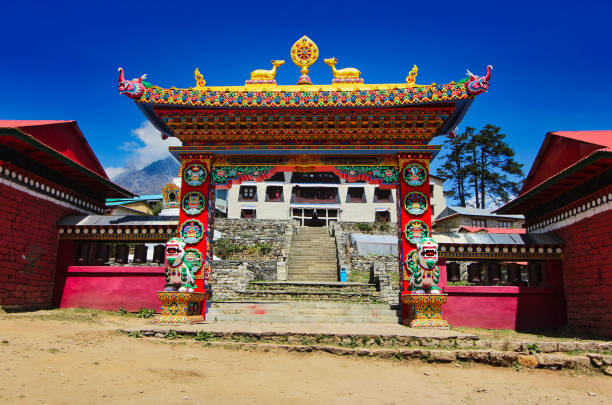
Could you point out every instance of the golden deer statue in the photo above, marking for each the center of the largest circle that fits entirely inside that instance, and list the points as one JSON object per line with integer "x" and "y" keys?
{"x": 262, "y": 74}
{"x": 346, "y": 73}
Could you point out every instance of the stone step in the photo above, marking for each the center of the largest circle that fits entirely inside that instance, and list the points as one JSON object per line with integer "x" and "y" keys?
{"x": 313, "y": 266}
{"x": 301, "y": 304}
{"x": 301, "y": 312}
{"x": 259, "y": 309}
{"x": 310, "y": 286}
{"x": 291, "y": 318}
{"x": 275, "y": 295}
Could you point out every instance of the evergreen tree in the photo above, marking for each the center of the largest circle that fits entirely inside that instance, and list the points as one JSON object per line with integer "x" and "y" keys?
{"x": 455, "y": 165}
{"x": 485, "y": 163}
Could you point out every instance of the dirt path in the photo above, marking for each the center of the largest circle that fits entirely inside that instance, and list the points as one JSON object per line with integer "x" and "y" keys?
{"x": 86, "y": 361}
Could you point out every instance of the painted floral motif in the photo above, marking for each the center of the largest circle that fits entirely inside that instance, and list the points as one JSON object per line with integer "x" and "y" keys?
{"x": 322, "y": 98}
{"x": 195, "y": 175}
{"x": 222, "y": 175}
{"x": 415, "y": 203}
{"x": 192, "y": 231}
{"x": 379, "y": 174}
{"x": 415, "y": 175}
{"x": 194, "y": 256}
{"x": 193, "y": 203}
{"x": 415, "y": 230}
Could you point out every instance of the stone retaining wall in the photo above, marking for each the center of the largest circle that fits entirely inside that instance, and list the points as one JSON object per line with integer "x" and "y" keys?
{"x": 249, "y": 232}
{"x": 381, "y": 269}
{"x": 230, "y": 277}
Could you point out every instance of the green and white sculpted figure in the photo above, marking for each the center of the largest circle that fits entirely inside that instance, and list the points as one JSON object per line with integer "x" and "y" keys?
{"x": 179, "y": 276}
{"x": 424, "y": 272}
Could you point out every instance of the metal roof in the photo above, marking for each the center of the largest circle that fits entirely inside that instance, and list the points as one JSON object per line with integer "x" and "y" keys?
{"x": 474, "y": 212}
{"x": 117, "y": 220}
{"x": 498, "y": 239}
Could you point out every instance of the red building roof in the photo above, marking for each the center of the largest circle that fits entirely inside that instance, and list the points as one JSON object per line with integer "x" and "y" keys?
{"x": 60, "y": 146}
{"x": 475, "y": 229}
{"x": 565, "y": 159}
{"x": 64, "y": 137}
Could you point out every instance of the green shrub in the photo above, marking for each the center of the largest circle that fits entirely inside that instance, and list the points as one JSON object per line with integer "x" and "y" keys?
{"x": 145, "y": 313}
{"x": 364, "y": 227}
{"x": 225, "y": 248}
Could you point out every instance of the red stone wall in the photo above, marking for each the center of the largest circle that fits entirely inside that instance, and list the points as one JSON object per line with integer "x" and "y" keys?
{"x": 28, "y": 248}
{"x": 587, "y": 268}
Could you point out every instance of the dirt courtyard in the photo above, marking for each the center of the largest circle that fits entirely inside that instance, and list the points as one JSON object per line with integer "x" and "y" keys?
{"x": 49, "y": 358}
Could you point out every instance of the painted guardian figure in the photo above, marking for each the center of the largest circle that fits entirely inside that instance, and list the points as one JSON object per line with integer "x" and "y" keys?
{"x": 179, "y": 276}
{"x": 424, "y": 272}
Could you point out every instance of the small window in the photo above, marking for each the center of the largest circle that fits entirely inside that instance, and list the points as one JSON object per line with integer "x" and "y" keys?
{"x": 382, "y": 216}
{"x": 355, "y": 195}
{"x": 248, "y": 193}
{"x": 431, "y": 188}
{"x": 382, "y": 196}
{"x": 505, "y": 224}
{"x": 479, "y": 223}
{"x": 274, "y": 193}
{"x": 247, "y": 213}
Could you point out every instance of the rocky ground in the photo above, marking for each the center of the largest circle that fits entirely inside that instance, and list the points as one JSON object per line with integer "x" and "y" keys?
{"x": 78, "y": 356}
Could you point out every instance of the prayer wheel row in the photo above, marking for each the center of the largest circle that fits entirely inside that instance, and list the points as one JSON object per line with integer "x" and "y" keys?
{"x": 99, "y": 254}
{"x": 493, "y": 272}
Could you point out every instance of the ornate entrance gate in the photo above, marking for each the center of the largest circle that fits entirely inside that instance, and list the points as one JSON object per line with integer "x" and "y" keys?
{"x": 378, "y": 133}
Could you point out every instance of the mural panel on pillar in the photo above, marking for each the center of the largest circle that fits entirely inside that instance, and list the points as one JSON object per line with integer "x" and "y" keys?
{"x": 414, "y": 214}
{"x": 194, "y": 214}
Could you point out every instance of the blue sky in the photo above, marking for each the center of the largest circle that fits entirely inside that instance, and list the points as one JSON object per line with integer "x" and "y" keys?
{"x": 552, "y": 60}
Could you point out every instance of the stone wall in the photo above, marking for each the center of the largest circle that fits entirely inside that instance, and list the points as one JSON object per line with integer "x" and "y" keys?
{"x": 248, "y": 232}
{"x": 379, "y": 270}
{"x": 229, "y": 276}
{"x": 28, "y": 248}
{"x": 587, "y": 272}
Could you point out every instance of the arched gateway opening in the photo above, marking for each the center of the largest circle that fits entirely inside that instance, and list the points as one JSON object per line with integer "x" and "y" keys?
{"x": 347, "y": 130}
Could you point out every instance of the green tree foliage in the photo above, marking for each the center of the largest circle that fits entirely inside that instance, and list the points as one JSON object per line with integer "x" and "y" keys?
{"x": 481, "y": 165}
{"x": 454, "y": 168}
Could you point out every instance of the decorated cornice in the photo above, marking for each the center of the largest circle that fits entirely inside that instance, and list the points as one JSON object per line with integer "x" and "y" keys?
{"x": 578, "y": 210}
{"x": 500, "y": 252}
{"x": 337, "y": 95}
{"x": 152, "y": 233}
{"x": 12, "y": 174}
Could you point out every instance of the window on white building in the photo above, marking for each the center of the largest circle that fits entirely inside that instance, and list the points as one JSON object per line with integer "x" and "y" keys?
{"x": 355, "y": 195}
{"x": 383, "y": 195}
{"x": 247, "y": 193}
{"x": 247, "y": 213}
{"x": 504, "y": 224}
{"x": 479, "y": 223}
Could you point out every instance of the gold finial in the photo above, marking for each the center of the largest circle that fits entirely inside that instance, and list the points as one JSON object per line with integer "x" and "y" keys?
{"x": 304, "y": 53}
{"x": 200, "y": 82}
{"x": 346, "y": 75}
{"x": 265, "y": 76}
{"x": 412, "y": 75}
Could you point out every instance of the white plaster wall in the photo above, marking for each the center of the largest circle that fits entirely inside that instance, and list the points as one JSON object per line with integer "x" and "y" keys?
{"x": 349, "y": 212}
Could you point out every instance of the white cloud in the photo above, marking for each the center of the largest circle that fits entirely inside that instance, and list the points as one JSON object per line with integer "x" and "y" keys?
{"x": 113, "y": 172}
{"x": 147, "y": 148}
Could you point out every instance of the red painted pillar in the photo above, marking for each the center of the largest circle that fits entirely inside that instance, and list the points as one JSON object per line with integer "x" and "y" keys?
{"x": 194, "y": 212}
{"x": 414, "y": 216}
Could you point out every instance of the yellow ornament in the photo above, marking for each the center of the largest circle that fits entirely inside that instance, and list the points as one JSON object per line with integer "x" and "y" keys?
{"x": 262, "y": 74}
{"x": 304, "y": 53}
{"x": 200, "y": 82}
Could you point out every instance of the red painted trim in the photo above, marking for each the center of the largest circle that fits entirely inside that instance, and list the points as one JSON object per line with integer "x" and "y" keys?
{"x": 456, "y": 289}
{"x": 114, "y": 270}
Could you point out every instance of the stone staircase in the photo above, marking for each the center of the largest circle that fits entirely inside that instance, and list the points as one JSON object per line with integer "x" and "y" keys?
{"x": 312, "y": 256}
{"x": 310, "y": 291}
{"x": 301, "y": 312}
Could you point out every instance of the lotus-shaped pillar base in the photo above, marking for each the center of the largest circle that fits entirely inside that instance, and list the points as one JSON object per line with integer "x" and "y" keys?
{"x": 428, "y": 310}
{"x": 181, "y": 307}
